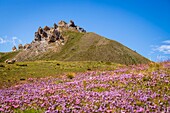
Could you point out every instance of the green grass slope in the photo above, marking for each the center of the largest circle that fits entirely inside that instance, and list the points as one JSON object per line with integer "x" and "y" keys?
{"x": 92, "y": 47}
{"x": 8, "y": 55}
{"x": 21, "y": 71}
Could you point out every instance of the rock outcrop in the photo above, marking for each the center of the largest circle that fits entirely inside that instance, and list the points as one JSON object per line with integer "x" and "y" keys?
{"x": 46, "y": 28}
{"x": 47, "y": 38}
{"x": 71, "y": 24}
{"x": 48, "y": 35}
{"x": 62, "y": 24}
{"x": 14, "y": 48}
{"x": 53, "y": 34}
{"x": 27, "y": 46}
{"x": 20, "y": 47}
{"x": 10, "y": 61}
{"x": 37, "y": 36}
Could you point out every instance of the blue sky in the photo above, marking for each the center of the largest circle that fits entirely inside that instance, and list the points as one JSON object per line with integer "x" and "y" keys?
{"x": 142, "y": 25}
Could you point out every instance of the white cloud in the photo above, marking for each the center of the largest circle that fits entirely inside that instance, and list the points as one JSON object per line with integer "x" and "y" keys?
{"x": 19, "y": 40}
{"x": 160, "y": 52}
{"x": 2, "y": 40}
{"x": 14, "y": 40}
{"x": 161, "y": 58}
{"x": 166, "y": 41}
{"x": 164, "y": 48}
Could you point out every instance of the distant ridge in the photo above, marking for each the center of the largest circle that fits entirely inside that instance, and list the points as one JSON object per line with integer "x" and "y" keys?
{"x": 69, "y": 42}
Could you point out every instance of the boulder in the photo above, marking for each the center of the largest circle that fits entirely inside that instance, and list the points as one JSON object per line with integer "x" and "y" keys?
{"x": 27, "y": 46}
{"x": 46, "y": 28}
{"x": 20, "y": 47}
{"x": 6, "y": 61}
{"x": 71, "y": 24}
{"x": 10, "y": 61}
{"x": 14, "y": 48}
{"x": 37, "y": 36}
{"x": 62, "y": 24}
{"x": 55, "y": 26}
{"x": 80, "y": 29}
{"x": 40, "y": 30}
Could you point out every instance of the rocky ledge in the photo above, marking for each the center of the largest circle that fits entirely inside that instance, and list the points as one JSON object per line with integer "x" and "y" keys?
{"x": 48, "y": 35}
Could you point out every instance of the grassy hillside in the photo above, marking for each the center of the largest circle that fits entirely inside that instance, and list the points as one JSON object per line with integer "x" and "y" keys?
{"x": 9, "y": 55}
{"x": 92, "y": 47}
{"x": 82, "y": 47}
{"x": 96, "y": 48}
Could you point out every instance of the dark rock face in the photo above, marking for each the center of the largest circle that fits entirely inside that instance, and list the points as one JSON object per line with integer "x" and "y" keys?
{"x": 37, "y": 36}
{"x": 40, "y": 30}
{"x": 71, "y": 24}
{"x": 51, "y": 39}
{"x": 56, "y": 34}
{"x": 55, "y": 26}
{"x": 44, "y": 34}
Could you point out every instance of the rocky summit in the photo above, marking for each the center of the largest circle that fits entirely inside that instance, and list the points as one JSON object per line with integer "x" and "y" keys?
{"x": 48, "y": 35}
{"x": 46, "y": 39}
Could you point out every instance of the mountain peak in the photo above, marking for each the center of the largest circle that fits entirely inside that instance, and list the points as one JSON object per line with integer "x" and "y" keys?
{"x": 69, "y": 42}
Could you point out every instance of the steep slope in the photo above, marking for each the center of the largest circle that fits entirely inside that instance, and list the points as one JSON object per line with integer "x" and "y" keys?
{"x": 92, "y": 47}
{"x": 96, "y": 48}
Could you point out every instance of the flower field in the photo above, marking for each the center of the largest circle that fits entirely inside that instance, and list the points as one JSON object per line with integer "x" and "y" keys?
{"x": 129, "y": 89}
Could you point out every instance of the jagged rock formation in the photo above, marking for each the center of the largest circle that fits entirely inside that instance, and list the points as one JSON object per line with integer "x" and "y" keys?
{"x": 71, "y": 24}
{"x": 14, "y": 48}
{"x": 48, "y": 38}
{"x": 48, "y": 35}
{"x": 53, "y": 34}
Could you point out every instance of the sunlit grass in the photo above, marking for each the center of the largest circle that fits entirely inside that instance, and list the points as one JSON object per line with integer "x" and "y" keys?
{"x": 13, "y": 73}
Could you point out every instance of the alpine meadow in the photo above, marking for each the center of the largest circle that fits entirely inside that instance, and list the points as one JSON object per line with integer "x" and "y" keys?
{"x": 89, "y": 56}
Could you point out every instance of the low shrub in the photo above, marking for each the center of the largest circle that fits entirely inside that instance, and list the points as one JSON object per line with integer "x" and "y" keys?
{"x": 70, "y": 75}
{"x": 22, "y": 79}
{"x": 89, "y": 69}
{"x": 21, "y": 65}
{"x": 1, "y": 65}
{"x": 58, "y": 64}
